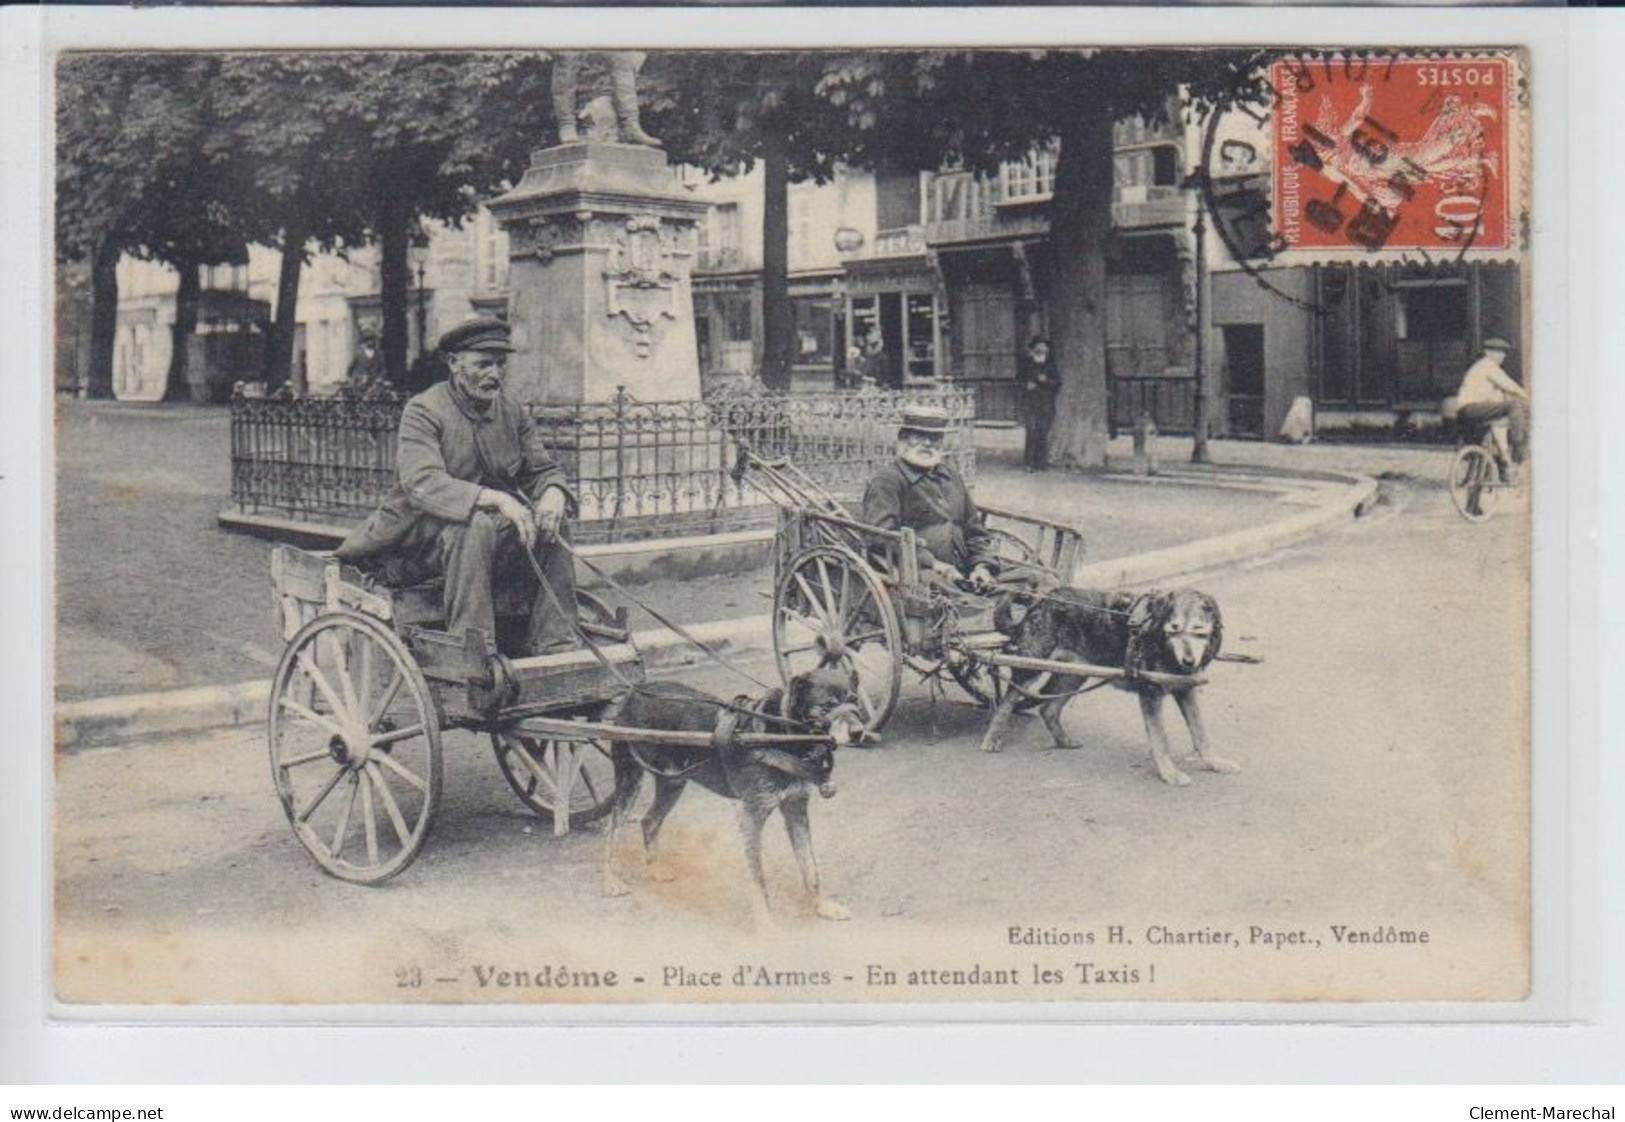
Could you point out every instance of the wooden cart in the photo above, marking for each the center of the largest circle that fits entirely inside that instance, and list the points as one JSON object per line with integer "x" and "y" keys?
{"x": 369, "y": 681}
{"x": 852, "y": 594}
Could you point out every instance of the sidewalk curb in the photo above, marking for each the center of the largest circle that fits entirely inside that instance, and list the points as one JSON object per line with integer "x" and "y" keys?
{"x": 126, "y": 717}
{"x": 1348, "y": 501}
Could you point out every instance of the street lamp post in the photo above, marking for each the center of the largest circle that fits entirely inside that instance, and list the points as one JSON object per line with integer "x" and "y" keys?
{"x": 423, "y": 312}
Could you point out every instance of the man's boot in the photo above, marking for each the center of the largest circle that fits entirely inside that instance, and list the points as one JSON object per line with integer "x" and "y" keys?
{"x": 624, "y": 72}
{"x": 566, "y": 68}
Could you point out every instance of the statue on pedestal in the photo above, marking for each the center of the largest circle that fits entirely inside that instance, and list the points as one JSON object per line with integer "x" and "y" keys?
{"x": 623, "y": 68}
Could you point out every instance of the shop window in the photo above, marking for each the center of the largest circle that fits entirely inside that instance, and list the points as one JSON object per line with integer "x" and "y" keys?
{"x": 736, "y": 317}
{"x": 1165, "y": 166}
{"x": 814, "y": 330}
{"x": 865, "y": 322}
{"x": 921, "y": 336}
{"x": 1432, "y": 326}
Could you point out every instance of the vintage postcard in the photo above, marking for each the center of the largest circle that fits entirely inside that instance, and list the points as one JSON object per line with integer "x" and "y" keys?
{"x": 803, "y": 528}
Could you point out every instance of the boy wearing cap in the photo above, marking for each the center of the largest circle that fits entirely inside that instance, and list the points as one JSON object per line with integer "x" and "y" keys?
{"x": 1489, "y": 394}
{"x": 920, "y": 491}
{"x": 475, "y": 486}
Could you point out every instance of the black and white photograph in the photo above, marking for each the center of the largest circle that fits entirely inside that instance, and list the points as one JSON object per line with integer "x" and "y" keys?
{"x": 850, "y": 527}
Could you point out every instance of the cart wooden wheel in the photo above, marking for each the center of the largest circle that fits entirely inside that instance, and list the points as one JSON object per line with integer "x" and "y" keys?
{"x": 830, "y": 609}
{"x": 355, "y": 746}
{"x": 1475, "y": 482}
{"x": 547, "y": 774}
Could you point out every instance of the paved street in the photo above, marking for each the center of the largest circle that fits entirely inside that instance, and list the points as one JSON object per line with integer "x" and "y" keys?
{"x": 152, "y": 595}
{"x": 1384, "y": 782}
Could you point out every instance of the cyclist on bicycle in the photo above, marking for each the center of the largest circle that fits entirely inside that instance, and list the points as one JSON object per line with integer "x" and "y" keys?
{"x": 1489, "y": 396}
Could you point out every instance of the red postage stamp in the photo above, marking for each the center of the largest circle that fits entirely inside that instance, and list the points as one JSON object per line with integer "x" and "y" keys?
{"x": 1412, "y": 156}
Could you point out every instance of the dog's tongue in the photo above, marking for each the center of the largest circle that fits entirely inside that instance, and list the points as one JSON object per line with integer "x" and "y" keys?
{"x": 827, "y": 790}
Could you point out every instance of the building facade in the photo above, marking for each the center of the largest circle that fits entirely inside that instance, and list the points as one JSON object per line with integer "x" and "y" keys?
{"x": 454, "y": 273}
{"x": 914, "y": 278}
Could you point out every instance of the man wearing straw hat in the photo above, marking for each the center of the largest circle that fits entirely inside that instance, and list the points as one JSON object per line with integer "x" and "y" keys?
{"x": 475, "y": 488}
{"x": 919, "y": 490}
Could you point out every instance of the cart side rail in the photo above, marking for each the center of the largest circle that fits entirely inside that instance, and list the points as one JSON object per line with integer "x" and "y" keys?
{"x": 307, "y": 584}
{"x": 1060, "y": 545}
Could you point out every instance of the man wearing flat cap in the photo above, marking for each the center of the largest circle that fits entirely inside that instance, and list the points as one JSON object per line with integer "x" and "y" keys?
{"x": 475, "y": 488}
{"x": 1489, "y": 395}
{"x": 919, "y": 490}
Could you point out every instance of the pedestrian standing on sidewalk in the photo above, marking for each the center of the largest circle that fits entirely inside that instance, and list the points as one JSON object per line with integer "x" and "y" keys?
{"x": 1039, "y": 384}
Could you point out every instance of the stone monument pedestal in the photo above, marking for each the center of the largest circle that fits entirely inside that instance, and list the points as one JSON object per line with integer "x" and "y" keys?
{"x": 601, "y": 248}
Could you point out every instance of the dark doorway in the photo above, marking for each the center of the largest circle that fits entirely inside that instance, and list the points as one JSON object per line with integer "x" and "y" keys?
{"x": 1244, "y": 378}
{"x": 702, "y": 342}
{"x": 1432, "y": 330}
{"x": 890, "y": 373}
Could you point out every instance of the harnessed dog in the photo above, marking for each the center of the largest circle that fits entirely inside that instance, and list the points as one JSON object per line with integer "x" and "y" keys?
{"x": 1178, "y": 631}
{"x": 761, "y": 779}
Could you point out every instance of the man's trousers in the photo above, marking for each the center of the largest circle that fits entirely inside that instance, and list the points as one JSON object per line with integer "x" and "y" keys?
{"x": 483, "y": 554}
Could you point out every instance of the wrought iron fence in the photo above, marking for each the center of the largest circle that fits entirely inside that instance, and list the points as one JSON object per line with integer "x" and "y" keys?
{"x": 640, "y": 469}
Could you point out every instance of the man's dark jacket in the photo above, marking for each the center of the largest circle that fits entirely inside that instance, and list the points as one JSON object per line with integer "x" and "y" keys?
{"x": 448, "y": 451}
{"x": 936, "y": 505}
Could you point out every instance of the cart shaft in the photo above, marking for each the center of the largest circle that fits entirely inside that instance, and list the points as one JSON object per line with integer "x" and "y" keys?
{"x": 1089, "y": 670}
{"x": 560, "y": 728}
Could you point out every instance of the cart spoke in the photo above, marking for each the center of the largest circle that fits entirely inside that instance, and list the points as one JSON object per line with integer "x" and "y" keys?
{"x": 370, "y": 820}
{"x": 315, "y": 718}
{"x": 309, "y": 666}
{"x": 396, "y": 819}
{"x": 307, "y": 758}
{"x": 868, "y": 703}
{"x": 803, "y": 649}
{"x": 538, "y": 772}
{"x": 364, "y": 687}
{"x": 865, "y": 596}
{"x": 387, "y": 698}
{"x": 402, "y": 770}
{"x": 846, "y": 589}
{"x": 341, "y": 664}
{"x": 864, "y": 637}
{"x": 813, "y": 601}
{"x": 585, "y": 775}
{"x": 344, "y": 817}
{"x": 830, "y": 599}
{"x": 393, "y": 735}
{"x": 321, "y": 795}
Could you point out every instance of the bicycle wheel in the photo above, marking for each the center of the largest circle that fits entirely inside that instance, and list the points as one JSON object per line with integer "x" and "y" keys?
{"x": 1475, "y": 483}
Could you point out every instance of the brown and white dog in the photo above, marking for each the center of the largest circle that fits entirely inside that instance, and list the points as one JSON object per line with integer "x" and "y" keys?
{"x": 763, "y": 780}
{"x": 1174, "y": 632}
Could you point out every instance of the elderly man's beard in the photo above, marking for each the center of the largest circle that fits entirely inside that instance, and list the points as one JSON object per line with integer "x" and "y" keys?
{"x": 923, "y": 457}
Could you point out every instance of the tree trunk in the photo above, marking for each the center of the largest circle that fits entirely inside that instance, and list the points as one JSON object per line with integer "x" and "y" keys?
{"x": 393, "y": 282}
{"x": 279, "y": 352}
{"x": 778, "y": 318}
{"x": 103, "y": 319}
{"x": 176, "y": 385}
{"x": 1080, "y": 225}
